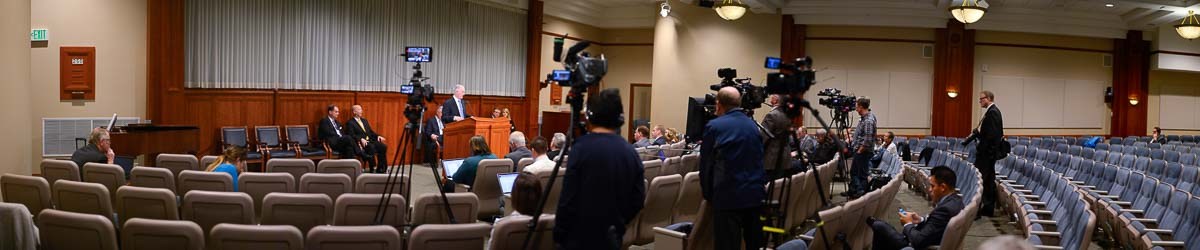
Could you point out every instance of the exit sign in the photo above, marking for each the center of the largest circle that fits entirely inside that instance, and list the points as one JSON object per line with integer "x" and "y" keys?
{"x": 39, "y": 35}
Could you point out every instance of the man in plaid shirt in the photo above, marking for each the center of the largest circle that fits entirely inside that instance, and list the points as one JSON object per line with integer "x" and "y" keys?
{"x": 862, "y": 147}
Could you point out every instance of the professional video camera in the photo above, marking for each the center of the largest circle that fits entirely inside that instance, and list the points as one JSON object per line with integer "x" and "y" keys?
{"x": 581, "y": 70}
{"x": 790, "y": 85}
{"x": 834, "y": 99}
{"x": 418, "y": 93}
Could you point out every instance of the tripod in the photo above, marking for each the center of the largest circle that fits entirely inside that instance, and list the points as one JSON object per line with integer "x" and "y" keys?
{"x": 816, "y": 216}
{"x": 408, "y": 138}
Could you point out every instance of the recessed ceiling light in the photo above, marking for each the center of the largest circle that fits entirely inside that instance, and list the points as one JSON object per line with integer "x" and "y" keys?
{"x": 1110, "y": 5}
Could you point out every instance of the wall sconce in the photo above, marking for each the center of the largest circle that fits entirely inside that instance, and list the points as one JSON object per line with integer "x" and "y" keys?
{"x": 952, "y": 94}
{"x": 1133, "y": 101}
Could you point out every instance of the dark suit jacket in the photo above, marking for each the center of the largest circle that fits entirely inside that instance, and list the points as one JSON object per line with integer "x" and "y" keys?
{"x": 431, "y": 128}
{"x": 661, "y": 140}
{"x": 929, "y": 231}
{"x": 990, "y": 133}
{"x": 359, "y": 132}
{"x": 327, "y": 131}
{"x": 777, "y": 152}
{"x": 450, "y": 110}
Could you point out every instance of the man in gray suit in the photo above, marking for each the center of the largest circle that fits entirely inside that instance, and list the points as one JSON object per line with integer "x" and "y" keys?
{"x": 775, "y": 133}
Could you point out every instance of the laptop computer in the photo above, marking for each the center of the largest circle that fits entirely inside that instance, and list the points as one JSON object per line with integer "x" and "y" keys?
{"x": 451, "y": 166}
{"x": 126, "y": 163}
{"x": 507, "y": 180}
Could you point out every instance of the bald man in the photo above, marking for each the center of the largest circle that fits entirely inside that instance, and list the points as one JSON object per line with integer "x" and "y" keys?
{"x": 455, "y": 108}
{"x": 374, "y": 151}
{"x": 731, "y": 174}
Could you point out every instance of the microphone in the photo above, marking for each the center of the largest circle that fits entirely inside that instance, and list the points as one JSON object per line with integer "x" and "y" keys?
{"x": 558, "y": 44}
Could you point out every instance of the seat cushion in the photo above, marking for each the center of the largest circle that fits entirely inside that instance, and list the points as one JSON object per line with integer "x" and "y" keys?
{"x": 312, "y": 152}
{"x": 253, "y": 155}
{"x": 279, "y": 153}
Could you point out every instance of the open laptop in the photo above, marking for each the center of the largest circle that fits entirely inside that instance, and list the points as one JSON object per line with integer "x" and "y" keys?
{"x": 451, "y": 166}
{"x": 507, "y": 180}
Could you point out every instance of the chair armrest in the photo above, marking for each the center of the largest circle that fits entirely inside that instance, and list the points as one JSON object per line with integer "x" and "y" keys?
{"x": 1110, "y": 196}
{"x": 1167, "y": 243}
{"x": 1044, "y": 222}
{"x": 1077, "y": 182}
{"x": 670, "y": 233}
{"x": 1159, "y": 231}
{"x": 1017, "y": 186}
{"x": 1009, "y": 180}
{"x": 461, "y": 188}
{"x": 1087, "y": 186}
{"x": 1002, "y": 176}
{"x": 1133, "y": 211}
{"x": 1044, "y": 233}
{"x": 1036, "y": 211}
{"x": 1144, "y": 220}
{"x": 806, "y": 238}
{"x": 1038, "y": 203}
{"x": 1122, "y": 203}
{"x": 1027, "y": 196}
{"x": 1023, "y": 190}
{"x": 1047, "y": 247}
{"x": 1100, "y": 191}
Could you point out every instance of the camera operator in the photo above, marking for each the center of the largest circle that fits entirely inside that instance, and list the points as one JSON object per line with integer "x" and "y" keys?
{"x": 603, "y": 189}
{"x": 775, "y": 138}
{"x": 863, "y": 148}
{"x": 731, "y": 173}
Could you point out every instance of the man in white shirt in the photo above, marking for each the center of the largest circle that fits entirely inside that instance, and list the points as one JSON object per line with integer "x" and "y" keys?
{"x": 541, "y": 162}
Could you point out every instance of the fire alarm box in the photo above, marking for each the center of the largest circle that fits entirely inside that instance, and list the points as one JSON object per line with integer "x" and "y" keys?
{"x": 77, "y": 73}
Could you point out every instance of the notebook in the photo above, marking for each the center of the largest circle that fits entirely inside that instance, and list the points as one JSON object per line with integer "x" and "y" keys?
{"x": 451, "y": 166}
{"x": 506, "y": 181}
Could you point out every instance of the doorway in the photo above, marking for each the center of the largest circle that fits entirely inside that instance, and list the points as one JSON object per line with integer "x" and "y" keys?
{"x": 639, "y": 107}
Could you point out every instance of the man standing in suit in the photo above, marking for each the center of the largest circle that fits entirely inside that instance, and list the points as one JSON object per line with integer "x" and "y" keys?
{"x": 332, "y": 132}
{"x": 455, "y": 108}
{"x": 731, "y": 174}
{"x": 775, "y": 137}
{"x": 374, "y": 150}
{"x": 921, "y": 233}
{"x": 990, "y": 134}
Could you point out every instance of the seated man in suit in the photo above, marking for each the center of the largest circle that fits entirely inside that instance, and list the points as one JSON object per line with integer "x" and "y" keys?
{"x": 921, "y": 233}
{"x": 660, "y": 135}
{"x": 455, "y": 108}
{"x": 432, "y": 133}
{"x": 374, "y": 151}
{"x": 332, "y": 133}
{"x": 98, "y": 149}
{"x": 516, "y": 145}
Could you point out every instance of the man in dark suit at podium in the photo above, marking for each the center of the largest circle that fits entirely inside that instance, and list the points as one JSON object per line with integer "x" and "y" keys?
{"x": 374, "y": 150}
{"x": 333, "y": 134}
{"x": 455, "y": 108}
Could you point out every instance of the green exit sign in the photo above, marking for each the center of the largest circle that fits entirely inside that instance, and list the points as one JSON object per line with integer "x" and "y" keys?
{"x": 38, "y": 35}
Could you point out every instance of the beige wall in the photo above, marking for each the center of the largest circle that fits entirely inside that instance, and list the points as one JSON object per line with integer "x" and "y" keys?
{"x": 15, "y": 87}
{"x": 692, "y": 43}
{"x": 118, "y": 31}
{"x": 628, "y": 57}
{"x": 1043, "y": 64}
{"x": 1159, "y": 80}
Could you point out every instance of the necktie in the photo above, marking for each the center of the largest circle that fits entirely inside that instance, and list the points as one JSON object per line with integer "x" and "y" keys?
{"x": 439, "y": 127}
{"x": 360, "y": 125}
{"x": 460, "y": 108}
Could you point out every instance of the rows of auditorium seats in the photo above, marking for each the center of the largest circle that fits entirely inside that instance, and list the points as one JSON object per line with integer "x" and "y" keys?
{"x": 269, "y": 142}
{"x": 662, "y": 151}
{"x": 299, "y": 203}
{"x": 969, "y": 184}
{"x": 1049, "y": 209}
{"x": 1145, "y": 197}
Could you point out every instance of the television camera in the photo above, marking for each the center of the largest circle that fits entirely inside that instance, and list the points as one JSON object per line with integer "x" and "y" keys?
{"x": 789, "y": 84}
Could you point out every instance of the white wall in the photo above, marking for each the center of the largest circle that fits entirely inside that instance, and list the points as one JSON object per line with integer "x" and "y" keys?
{"x": 15, "y": 88}
{"x": 118, "y": 31}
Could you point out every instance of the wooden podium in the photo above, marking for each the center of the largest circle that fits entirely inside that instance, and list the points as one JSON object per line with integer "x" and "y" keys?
{"x": 152, "y": 140}
{"x": 458, "y": 136}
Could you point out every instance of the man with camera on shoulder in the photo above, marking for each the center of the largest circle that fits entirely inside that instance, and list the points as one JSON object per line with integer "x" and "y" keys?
{"x": 731, "y": 173}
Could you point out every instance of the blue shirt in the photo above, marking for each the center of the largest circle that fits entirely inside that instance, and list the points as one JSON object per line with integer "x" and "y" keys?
{"x": 731, "y": 162}
{"x": 229, "y": 169}
{"x": 466, "y": 172}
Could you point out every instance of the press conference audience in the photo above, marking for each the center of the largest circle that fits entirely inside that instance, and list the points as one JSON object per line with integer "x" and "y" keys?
{"x": 673, "y": 135}
{"x": 556, "y": 145}
{"x": 731, "y": 174}
{"x": 374, "y": 149}
{"x": 455, "y": 108}
{"x": 517, "y": 149}
{"x": 526, "y": 193}
{"x": 1158, "y": 137}
{"x": 466, "y": 172}
{"x": 660, "y": 135}
{"x": 98, "y": 150}
{"x": 863, "y": 148}
{"x": 604, "y": 187}
{"x": 541, "y": 161}
{"x": 641, "y": 137}
{"x": 230, "y": 162}
{"x": 922, "y": 232}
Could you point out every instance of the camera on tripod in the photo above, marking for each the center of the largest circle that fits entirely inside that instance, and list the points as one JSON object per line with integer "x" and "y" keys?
{"x": 834, "y": 99}
{"x": 790, "y": 84}
{"x": 418, "y": 92}
{"x": 581, "y": 70}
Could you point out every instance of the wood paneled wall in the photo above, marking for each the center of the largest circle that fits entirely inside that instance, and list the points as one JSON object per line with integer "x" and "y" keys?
{"x": 169, "y": 102}
{"x": 954, "y": 68}
{"x": 1131, "y": 79}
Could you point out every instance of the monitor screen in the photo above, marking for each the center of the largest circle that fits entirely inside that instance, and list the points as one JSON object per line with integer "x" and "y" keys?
{"x": 507, "y": 181}
{"x": 561, "y": 75}
{"x": 418, "y": 54}
{"x": 451, "y": 166}
{"x": 773, "y": 62}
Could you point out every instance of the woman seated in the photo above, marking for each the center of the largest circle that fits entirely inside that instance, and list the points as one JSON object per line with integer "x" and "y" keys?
{"x": 466, "y": 172}
{"x": 230, "y": 162}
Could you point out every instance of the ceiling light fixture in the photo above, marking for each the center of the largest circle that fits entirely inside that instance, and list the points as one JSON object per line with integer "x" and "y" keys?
{"x": 730, "y": 9}
{"x": 664, "y": 9}
{"x": 1110, "y": 5}
{"x": 1189, "y": 28}
{"x": 969, "y": 12}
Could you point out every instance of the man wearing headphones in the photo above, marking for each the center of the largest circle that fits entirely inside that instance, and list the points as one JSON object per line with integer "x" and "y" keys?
{"x": 603, "y": 189}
